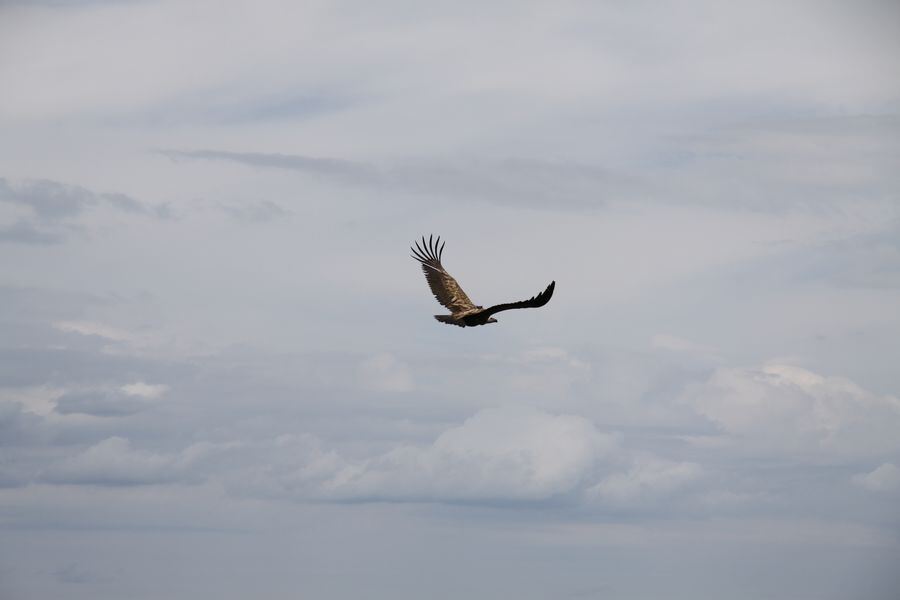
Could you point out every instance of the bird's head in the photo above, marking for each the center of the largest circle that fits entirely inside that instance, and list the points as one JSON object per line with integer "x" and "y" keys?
{"x": 492, "y": 320}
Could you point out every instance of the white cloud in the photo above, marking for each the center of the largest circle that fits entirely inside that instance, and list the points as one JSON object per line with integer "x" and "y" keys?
{"x": 649, "y": 477}
{"x": 292, "y": 466}
{"x": 885, "y": 478}
{"x": 505, "y": 453}
{"x": 777, "y": 409}
{"x": 114, "y": 461}
{"x": 501, "y": 454}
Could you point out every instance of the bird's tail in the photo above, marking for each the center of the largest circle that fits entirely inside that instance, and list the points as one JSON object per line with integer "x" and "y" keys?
{"x": 449, "y": 319}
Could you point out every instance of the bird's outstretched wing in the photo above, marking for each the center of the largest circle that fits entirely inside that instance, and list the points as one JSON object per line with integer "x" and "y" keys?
{"x": 442, "y": 284}
{"x": 539, "y": 300}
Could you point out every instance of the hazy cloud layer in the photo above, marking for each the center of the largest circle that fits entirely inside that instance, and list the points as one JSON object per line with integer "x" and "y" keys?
{"x": 219, "y": 371}
{"x": 514, "y": 182}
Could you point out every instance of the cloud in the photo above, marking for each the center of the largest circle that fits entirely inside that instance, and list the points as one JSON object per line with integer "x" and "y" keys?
{"x": 674, "y": 343}
{"x": 776, "y": 164}
{"x": 498, "y": 454}
{"x": 23, "y": 232}
{"x": 115, "y": 462}
{"x": 53, "y": 209}
{"x": 722, "y": 175}
{"x": 648, "y": 478}
{"x": 510, "y": 454}
{"x": 537, "y": 184}
{"x": 89, "y": 328}
{"x": 129, "y": 399}
{"x": 814, "y": 164}
{"x": 98, "y": 404}
{"x": 295, "y": 466}
{"x": 344, "y": 171}
{"x": 885, "y": 478}
{"x": 52, "y": 201}
{"x": 20, "y": 426}
{"x": 384, "y": 373}
{"x": 115, "y": 340}
{"x": 145, "y": 390}
{"x": 255, "y": 212}
{"x": 541, "y": 356}
{"x": 780, "y": 409}
{"x": 112, "y": 461}
{"x": 48, "y": 200}
{"x": 869, "y": 260}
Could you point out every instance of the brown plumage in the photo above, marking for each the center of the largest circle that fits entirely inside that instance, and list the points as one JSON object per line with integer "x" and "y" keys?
{"x": 464, "y": 312}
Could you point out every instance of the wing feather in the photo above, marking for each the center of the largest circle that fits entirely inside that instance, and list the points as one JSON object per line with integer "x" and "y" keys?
{"x": 533, "y": 302}
{"x": 444, "y": 287}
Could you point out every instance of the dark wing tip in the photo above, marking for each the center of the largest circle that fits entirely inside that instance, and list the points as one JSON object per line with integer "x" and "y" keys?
{"x": 430, "y": 250}
{"x": 544, "y": 297}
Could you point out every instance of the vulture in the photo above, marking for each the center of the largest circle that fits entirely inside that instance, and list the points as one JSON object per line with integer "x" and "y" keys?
{"x": 463, "y": 312}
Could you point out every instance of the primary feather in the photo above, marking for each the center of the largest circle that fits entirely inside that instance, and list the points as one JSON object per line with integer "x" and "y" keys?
{"x": 444, "y": 287}
{"x": 448, "y": 292}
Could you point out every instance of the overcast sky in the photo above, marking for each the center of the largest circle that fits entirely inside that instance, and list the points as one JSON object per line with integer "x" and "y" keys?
{"x": 220, "y": 376}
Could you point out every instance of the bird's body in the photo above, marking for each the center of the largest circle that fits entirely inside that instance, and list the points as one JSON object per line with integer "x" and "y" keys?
{"x": 463, "y": 312}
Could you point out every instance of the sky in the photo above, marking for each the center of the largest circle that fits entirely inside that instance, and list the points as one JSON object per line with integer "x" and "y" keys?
{"x": 221, "y": 376}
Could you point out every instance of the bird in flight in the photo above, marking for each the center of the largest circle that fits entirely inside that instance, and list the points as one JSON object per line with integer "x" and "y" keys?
{"x": 464, "y": 313}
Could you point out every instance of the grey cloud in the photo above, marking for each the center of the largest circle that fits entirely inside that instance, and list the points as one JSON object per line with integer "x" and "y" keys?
{"x": 315, "y": 406}
{"x": 18, "y": 427}
{"x": 113, "y": 461}
{"x": 775, "y": 165}
{"x": 49, "y": 200}
{"x": 869, "y": 260}
{"x": 783, "y": 165}
{"x": 343, "y": 171}
{"x": 256, "y": 212}
{"x": 782, "y": 409}
{"x": 35, "y": 303}
{"x": 282, "y": 107}
{"x": 647, "y": 477}
{"x": 511, "y": 182}
{"x": 130, "y": 205}
{"x": 884, "y": 478}
{"x": 862, "y": 261}
{"x": 100, "y": 403}
{"x": 253, "y": 411}
{"x": 55, "y": 208}
{"x": 508, "y": 454}
{"x": 229, "y": 107}
{"x": 23, "y": 232}
{"x": 22, "y": 366}
{"x": 14, "y": 470}
{"x": 27, "y": 315}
